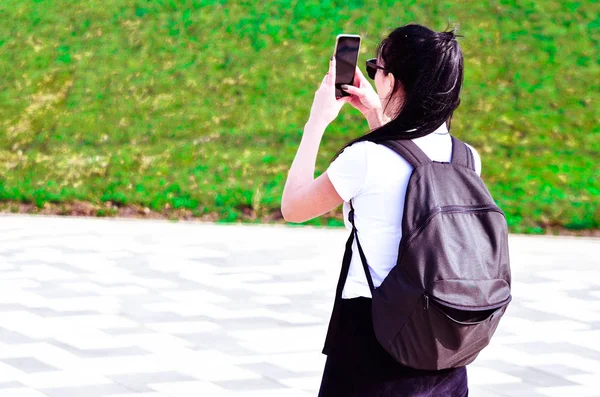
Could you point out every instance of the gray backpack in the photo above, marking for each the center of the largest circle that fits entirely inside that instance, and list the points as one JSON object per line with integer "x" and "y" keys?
{"x": 441, "y": 303}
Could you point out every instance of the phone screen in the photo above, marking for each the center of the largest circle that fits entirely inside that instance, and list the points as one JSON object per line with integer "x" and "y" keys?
{"x": 346, "y": 56}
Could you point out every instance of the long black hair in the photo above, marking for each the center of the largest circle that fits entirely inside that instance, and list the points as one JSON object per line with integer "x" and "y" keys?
{"x": 428, "y": 68}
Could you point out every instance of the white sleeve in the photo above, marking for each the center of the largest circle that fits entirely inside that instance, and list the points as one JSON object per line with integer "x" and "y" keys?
{"x": 476, "y": 158}
{"x": 348, "y": 172}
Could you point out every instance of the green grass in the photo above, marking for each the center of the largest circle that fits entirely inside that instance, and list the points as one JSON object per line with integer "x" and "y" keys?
{"x": 200, "y": 105}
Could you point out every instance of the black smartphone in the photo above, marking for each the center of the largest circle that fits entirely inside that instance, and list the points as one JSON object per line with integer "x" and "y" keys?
{"x": 346, "y": 51}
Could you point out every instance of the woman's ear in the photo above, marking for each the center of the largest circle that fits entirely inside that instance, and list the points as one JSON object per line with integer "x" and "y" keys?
{"x": 399, "y": 95}
{"x": 390, "y": 81}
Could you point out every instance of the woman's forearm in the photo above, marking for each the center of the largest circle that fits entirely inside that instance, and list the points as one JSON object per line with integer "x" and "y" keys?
{"x": 302, "y": 171}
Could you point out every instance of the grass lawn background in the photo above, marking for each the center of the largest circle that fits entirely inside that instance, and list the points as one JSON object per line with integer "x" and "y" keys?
{"x": 196, "y": 108}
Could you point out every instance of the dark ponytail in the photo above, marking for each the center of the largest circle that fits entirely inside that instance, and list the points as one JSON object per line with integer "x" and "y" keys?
{"x": 428, "y": 67}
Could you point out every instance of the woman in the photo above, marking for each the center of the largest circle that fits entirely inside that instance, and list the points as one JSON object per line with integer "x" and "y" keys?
{"x": 418, "y": 75}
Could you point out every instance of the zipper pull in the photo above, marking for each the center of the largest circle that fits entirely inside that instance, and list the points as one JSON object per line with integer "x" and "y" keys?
{"x": 426, "y": 302}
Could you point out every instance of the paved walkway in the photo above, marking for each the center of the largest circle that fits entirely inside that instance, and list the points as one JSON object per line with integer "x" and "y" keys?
{"x": 123, "y": 308}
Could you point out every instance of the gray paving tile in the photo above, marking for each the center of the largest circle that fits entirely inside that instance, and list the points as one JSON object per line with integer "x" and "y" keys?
{"x": 51, "y": 292}
{"x": 506, "y": 390}
{"x": 536, "y": 315}
{"x": 221, "y": 342}
{"x": 586, "y": 294}
{"x": 28, "y": 364}
{"x": 90, "y": 353}
{"x": 480, "y": 391}
{"x": 595, "y": 325}
{"x": 10, "y": 385}
{"x": 9, "y": 307}
{"x": 537, "y": 347}
{"x": 70, "y": 268}
{"x": 46, "y": 312}
{"x": 12, "y": 337}
{"x": 139, "y": 381}
{"x": 539, "y": 372}
{"x": 517, "y": 310}
{"x": 251, "y": 384}
{"x": 537, "y": 377}
{"x": 560, "y": 370}
{"x": 138, "y": 314}
{"x": 139, "y": 329}
{"x": 251, "y": 323}
{"x": 87, "y": 390}
{"x": 113, "y": 352}
{"x": 269, "y": 370}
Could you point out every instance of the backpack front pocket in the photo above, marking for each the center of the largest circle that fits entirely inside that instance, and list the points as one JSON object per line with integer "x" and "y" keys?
{"x": 465, "y": 315}
{"x": 438, "y": 336}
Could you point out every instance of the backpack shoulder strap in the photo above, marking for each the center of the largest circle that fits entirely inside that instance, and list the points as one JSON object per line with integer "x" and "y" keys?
{"x": 363, "y": 259}
{"x": 461, "y": 154}
{"x": 408, "y": 150}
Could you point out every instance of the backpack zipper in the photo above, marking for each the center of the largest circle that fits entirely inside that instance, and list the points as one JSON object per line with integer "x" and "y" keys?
{"x": 451, "y": 209}
{"x": 462, "y": 307}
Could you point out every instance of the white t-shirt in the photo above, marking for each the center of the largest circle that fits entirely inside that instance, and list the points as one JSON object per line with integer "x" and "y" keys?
{"x": 376, "y": 177}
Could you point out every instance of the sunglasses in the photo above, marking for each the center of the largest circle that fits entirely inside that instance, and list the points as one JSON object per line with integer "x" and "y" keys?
{"x": 372, "y": 68}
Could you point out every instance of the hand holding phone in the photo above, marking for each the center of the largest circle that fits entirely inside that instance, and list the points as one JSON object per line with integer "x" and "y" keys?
{"x": 364, "y": 98}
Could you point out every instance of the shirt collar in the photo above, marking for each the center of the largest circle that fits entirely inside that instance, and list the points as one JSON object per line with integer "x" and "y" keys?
{"x": 442, "y": 129}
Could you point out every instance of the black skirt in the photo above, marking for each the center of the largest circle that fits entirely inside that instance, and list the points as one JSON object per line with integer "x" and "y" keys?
{"x": 358, "y": 366}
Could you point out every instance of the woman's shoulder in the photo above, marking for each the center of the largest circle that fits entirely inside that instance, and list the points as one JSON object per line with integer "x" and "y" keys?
{"x": 356, "y": 147}
{"x": 359, "y": 153}
{"x": 353, "y": 154}
{"x": 360, "y": 145}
